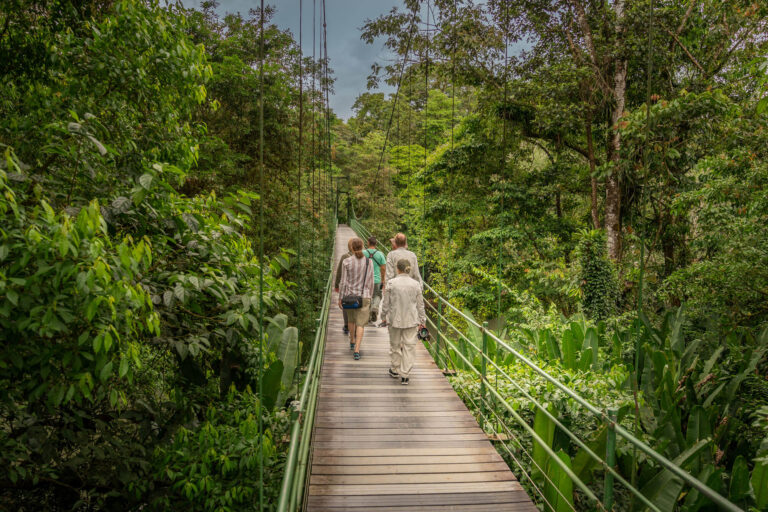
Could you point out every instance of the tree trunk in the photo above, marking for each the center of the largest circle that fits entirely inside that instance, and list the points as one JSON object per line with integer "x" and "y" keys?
{"x": 592, "y": 178}
{"x": 612, "y": 185}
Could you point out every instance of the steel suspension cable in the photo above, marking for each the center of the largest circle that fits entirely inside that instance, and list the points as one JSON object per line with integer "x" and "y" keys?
{"x": 261, "y": 255}
{"x": 503, "y": 154}
{"x": 424, "y": 243}
{"x": 298, "y": 180}
{"x": 642, "y": 233}
{"x": 327, "y": 111}
{"x": 314, "y": 148}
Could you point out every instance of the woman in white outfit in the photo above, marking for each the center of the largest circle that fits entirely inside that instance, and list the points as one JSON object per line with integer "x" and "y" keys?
{"x": 403, "y": 310}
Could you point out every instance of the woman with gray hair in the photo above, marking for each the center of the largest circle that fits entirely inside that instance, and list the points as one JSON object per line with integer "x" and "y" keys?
{"x": 403, "y": 309}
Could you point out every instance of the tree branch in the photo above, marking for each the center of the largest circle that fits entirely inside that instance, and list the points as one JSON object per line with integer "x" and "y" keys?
{"x": 691, "y": 57}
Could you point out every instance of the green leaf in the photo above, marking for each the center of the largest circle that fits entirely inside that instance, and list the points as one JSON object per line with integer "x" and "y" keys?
{"x": 762, "y": 105}
{"x": 559, "y": 480}
{"x": 145, "y": 180}
{"x": 545, "y": 429}
{"x": 124, "y": 366}
{"x": 759, "y": 482}
{"x": 270, "y": 384}
{"x": 739, "y": 488}
{"x": 664, "y": 488}
{"x": 105, "y": 372}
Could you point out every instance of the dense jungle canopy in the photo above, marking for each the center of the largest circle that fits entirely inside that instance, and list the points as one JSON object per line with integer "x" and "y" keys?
{"x": 565, "y": 169}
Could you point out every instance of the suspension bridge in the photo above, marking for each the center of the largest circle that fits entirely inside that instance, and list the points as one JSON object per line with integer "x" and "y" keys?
{"x": 360, "y": 441}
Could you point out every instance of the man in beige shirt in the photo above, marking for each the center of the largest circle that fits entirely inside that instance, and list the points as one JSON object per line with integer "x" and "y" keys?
{"x": 399, "y": 253}
{"x": 403, "y": 310}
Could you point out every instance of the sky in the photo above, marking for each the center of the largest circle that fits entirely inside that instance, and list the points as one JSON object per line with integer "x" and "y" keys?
{"x": 350, "y": 57}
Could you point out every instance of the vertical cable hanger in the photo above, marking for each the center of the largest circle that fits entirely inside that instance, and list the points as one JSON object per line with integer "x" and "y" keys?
{"x": 646, "y": 169}
{"x": 314, "y": 149}
{"x": 503, "y": 155}
{"x": 327, "y": 112}
{"x": 298, "y": 178}
{"x": 424, "y": 244}
{"x": 261, "y": 254}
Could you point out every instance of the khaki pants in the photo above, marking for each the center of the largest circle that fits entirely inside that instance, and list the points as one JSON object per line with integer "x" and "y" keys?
{"x": 402, "y": 349}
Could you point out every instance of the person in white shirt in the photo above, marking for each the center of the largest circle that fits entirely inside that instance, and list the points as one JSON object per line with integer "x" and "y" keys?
{"x": 403, "y": 310}
{"x": 401, "y": 252}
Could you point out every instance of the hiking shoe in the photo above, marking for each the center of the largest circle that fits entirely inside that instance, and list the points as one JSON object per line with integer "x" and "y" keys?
{"x": 404, "y": 381}
{"x": 346, "y": 330}
{"x": 383, "y": 324}
{"x": 392, "y": 374}
{"x": 357, "y": 356}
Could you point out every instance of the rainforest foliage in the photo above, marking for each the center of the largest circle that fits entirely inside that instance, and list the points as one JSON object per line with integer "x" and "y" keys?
{"x": 129, "y": 255}
{"x": 590, "y": 177}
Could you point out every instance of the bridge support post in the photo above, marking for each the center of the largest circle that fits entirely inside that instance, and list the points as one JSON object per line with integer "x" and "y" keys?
{"x": 610, "y": 457}
{"x": 483, "y": 368}
{"x": 439, "y": 332}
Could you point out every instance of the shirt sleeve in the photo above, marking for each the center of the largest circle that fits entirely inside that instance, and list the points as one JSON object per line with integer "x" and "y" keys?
{"x": 420, "y": 308}
{"x": 415, "y": 270}
{"x": 344, "y": 278}
{"x": 390, "y": 273}
{"x": 368, "y": 288}
{"x": 385, "y": 304}
{"x": 338, "y": 272}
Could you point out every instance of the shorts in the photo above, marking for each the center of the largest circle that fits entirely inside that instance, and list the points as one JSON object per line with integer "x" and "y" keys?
{"x": 359, "y": 316}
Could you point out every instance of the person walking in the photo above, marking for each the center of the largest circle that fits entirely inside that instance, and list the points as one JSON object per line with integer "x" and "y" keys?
{"x": 403, "y": 309}
{"x": 356, "y": 282}
{"x": 379, "y": 273}
{"x": 401, "y": 252}
{"x": 338, "y": 280}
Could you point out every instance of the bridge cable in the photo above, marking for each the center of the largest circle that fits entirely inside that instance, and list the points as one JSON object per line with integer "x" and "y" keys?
{"x": 261, "y": 255}
{"x": 298, "y": 182}
{"x": 503, "y": 156}
{"x": 642, "y": 234}
{"x": 423, "y": 242}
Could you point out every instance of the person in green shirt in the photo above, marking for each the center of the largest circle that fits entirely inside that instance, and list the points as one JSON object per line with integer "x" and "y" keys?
{"x": 379, "y": 274}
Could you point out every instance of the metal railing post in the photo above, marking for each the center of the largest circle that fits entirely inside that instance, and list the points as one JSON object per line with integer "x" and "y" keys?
{"x": 483, "y": 368}
{"x": 439, "y": 331}
{"x": 610, "y": 457}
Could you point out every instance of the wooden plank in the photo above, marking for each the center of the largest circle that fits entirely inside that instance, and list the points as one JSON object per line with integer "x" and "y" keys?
{"x": 445, "y": 460}
{"x": 399, "y": 414}
{"x": 385, "y": 489}
{"x": 318, "y": 502}
{"x": 404, "y": 469}
{"x": 374, "y": 452}
{"x": 378, "y": 431}
{"x": 343, "y": 435}
{"x": 423, "y": 478}
{"x": 495, "y": 507}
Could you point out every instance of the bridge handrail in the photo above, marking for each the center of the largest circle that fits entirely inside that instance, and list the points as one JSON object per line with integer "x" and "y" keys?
{"x": 303, "y": 410}
{"x": 602, "y": 415}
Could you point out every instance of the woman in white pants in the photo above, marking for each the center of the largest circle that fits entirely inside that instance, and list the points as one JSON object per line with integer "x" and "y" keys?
{"x": 403, "y": 310}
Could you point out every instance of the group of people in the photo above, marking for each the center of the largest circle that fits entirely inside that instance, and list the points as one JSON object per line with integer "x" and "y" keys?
{"x": 391, "y": 285}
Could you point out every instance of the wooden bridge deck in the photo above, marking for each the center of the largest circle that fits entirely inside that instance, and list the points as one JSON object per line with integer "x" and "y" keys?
{"x": 378, "y": 445}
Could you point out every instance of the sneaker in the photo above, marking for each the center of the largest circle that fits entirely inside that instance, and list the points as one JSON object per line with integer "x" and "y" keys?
{"x": 392, "y": 374}
{"x": 383, "y": 324}
{"x": 404, "y": 381}
{"x": 346, "y": 330}
{"x": 357, "y": 356}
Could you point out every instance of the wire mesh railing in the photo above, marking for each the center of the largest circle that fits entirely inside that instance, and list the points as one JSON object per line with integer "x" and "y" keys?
{"x": 453, "y": 347}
